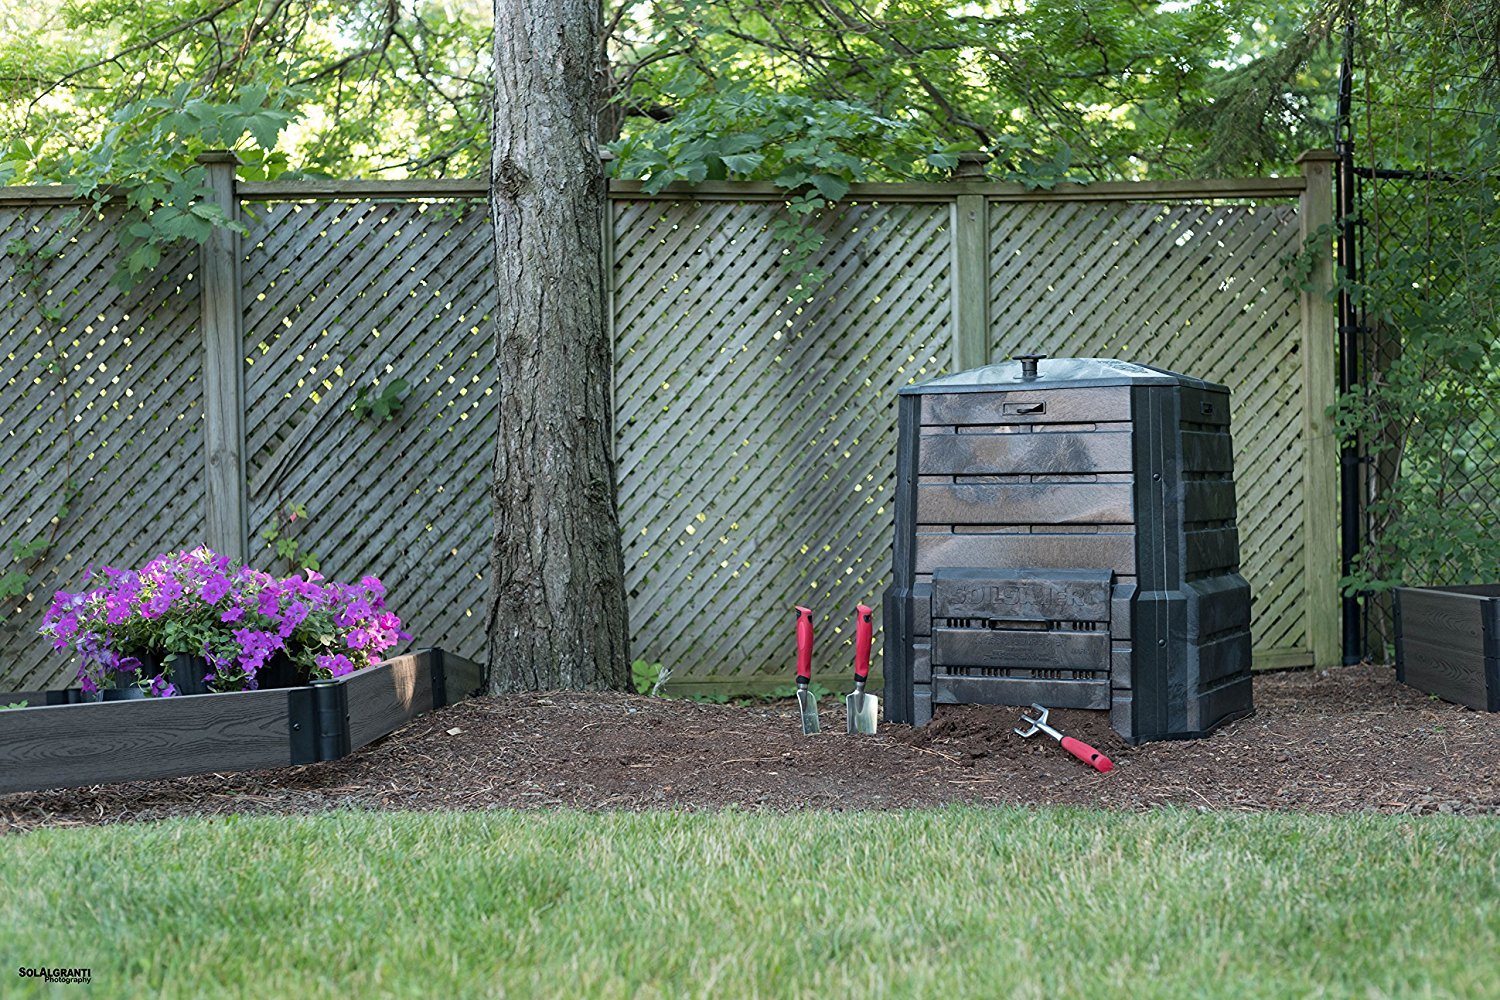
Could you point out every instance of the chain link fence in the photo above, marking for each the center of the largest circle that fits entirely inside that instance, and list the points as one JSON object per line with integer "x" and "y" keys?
{"x": 1423, "y": 284}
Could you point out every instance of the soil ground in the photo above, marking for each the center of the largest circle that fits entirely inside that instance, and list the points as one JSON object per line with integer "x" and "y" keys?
{"x": 1342, "y": 740}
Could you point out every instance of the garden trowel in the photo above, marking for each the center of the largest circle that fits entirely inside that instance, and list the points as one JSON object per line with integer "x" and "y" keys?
{"x": 862, "y": 711}
{"x": 807, "y": 704}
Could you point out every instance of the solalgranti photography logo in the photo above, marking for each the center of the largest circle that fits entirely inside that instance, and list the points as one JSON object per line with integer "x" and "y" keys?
{"x": 47, "y": 975}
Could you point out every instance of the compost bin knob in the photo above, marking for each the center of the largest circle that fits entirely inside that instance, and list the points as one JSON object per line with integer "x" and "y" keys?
{"x": 1028, "y": 365}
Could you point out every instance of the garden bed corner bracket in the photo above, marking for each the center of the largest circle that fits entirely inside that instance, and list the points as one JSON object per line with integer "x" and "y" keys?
{"x": 318, "y": 722}
{"x": 439, "y": 677}
{"x": 302, "y": 725}
{"x": 331, "y": 719}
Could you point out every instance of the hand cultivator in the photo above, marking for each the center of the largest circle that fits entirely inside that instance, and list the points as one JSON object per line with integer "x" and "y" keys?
{"x": 1093, "y": 758}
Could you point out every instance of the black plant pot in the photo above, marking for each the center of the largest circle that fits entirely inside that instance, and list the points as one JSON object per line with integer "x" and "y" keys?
{"x": 122, "y": 687}
{"x": 279, "y": 672}
{"x": 187, "y": 673}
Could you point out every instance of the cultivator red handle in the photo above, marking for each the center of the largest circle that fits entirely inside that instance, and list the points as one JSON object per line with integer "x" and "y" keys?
{"x": 804, "y": 644}
{"x": 1093, "y": 758}
{"x": 864, "y": 629}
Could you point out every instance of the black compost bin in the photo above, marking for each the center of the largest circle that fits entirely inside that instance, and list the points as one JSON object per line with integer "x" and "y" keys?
{"x": 1065, "y": 534}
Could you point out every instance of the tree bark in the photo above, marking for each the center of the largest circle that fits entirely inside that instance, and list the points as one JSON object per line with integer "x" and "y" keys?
{"x": 557, "y": 614}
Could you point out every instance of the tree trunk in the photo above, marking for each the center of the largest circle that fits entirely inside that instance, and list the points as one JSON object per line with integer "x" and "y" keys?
{"x": 557, "y": 615}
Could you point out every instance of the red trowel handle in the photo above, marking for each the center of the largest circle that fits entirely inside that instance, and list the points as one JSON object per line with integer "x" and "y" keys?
{"x": 864, "y": 629}
{"x": 804, "y": 644}
{"x": 1093, "y": 758}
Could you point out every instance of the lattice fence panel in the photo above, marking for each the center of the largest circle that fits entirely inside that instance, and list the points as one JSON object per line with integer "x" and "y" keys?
{"x": 756, "y": 433}
{"x": 343, "y": 296}
{"x": 109, "y": 397}
{"x": 1195, "y": 288}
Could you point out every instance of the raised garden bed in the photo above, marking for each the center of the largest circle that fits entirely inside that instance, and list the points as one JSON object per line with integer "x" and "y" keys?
{"x": 60, "y": 742}
{"x": 1448, "y": 643}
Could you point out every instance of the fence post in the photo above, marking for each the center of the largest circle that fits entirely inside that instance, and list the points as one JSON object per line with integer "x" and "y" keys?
{"x": 971, "y": 271}
{"x": 226, "y": 525}
{"x": 1320, "y": 466}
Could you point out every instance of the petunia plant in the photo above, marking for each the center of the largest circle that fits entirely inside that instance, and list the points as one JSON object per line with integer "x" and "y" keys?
{"x": 185, "y": 609}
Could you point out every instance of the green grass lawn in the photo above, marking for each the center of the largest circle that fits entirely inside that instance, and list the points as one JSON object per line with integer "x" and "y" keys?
{"x": 965, "y": 902}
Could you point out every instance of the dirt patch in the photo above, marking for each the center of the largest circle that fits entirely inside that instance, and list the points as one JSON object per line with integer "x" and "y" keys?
{"x": 1339, "y": 740}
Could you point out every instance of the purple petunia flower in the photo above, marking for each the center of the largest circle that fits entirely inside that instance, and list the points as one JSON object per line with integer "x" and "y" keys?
{"x": 215, "y": 588}
{"x": 336, "y": 664}
{"x": 242, "y": 616}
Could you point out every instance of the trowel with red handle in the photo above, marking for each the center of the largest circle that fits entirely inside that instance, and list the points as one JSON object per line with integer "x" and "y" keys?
{"x": 807, "y": 703}
{"x": 862, "y": 711}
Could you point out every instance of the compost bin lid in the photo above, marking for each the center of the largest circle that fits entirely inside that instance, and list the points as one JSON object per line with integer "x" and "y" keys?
{"x": 1055, "y": 373}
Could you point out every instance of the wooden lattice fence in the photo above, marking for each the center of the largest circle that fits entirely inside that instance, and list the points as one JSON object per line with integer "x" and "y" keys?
{"x": 757, "y": 434}
{"x": 755, "y": 429}
{"x": 101, "y": 410}
{"x": 346, "y": 296}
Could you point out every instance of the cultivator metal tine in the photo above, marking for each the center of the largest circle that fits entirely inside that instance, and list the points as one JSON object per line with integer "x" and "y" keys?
{"x": 1034, "y": 724}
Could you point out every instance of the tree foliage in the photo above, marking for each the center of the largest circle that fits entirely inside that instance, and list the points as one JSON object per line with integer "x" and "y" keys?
{"x": 1427, "y": 410}
{"x": 1094, "y": 89}
{"x": 376, "y": 86}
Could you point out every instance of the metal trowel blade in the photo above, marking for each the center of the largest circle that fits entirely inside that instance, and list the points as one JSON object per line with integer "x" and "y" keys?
{"x": 862, "y": 712}
{"x": 807, "y": 702}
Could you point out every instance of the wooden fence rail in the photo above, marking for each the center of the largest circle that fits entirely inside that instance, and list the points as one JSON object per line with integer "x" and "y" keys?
{"x": 755, "y": 427}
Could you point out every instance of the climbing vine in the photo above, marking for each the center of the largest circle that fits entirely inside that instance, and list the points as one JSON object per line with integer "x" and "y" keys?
{"x": 812, "y": 149}
{"x": 142, "y": 178}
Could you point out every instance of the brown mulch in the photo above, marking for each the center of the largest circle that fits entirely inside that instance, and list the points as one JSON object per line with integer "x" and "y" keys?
{"x": 1341, "y": 740}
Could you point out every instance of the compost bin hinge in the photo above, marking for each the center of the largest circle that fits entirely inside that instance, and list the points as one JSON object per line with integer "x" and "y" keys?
{"x": 319, "y": 721}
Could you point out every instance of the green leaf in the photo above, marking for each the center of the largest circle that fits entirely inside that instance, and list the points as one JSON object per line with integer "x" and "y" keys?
{"x": 13, "y": 584}
{"x": 644, "y": 675}
{"x": 266, "y": 128}
{"x": 829, "y": 186}
{"x": 23, "y": 551}
{"x": 142, "y": 258}
{"x": 743, "y": 142}
{"x": 744, "y": 163}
